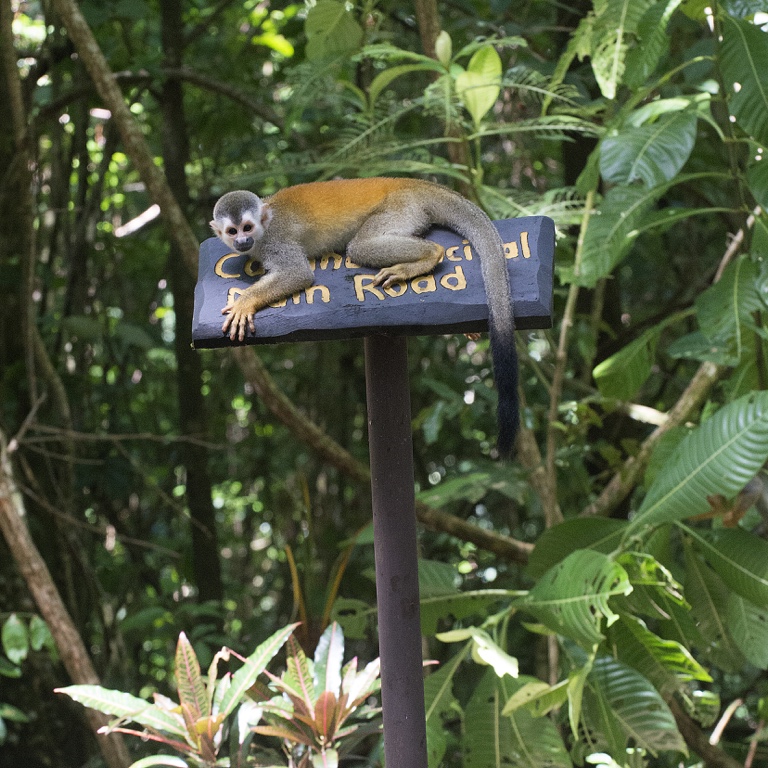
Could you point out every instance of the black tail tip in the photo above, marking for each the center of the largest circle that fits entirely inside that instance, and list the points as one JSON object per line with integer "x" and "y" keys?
{"x": 509, "y": 426}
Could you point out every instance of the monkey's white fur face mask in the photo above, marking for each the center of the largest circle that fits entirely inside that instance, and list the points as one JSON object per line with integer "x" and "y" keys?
{"x": 240, "y": 220}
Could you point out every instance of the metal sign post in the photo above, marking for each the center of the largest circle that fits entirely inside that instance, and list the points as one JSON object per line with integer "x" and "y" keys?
{"x": 344, "y": 303}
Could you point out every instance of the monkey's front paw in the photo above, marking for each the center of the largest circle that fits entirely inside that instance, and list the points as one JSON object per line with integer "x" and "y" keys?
{"x": 388, "y": 276}
{"x": 238, "y": 319}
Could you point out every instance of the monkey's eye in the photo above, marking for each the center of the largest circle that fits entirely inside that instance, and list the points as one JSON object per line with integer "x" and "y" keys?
{"x": 247, "y": 227}
{"x": 232, "y": 231}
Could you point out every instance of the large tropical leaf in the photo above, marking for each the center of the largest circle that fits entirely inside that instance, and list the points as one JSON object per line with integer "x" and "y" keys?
{"x": 667, "y": 664}
{"x": 625, "y": 701}
{"x": 622, "y": 374}
{"x": 708, "y": 597}
{"x": 492, "y": 740}
{"x": 744, "y": 64}
{"x": 127, "y": 707}
{"x": 572, "y": 597}
{"x": 749, "y": 626}
{"x": 719, "y": 457}
{"x": 556, "y": 543}
{"x": 653, "y": 43}
{"x": 613, "y": 227}
{"x": 741, "y": 560}
{"x": 653, "y": 153}
{"x": 616, "y": 22}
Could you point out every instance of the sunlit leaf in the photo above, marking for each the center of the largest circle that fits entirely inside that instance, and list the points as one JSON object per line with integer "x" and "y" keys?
{"x": 479, "y": 86}
{"x": 128, "y": 707}
{"x": 329, "y": 657}
{"x": 622, "y": 374}
{"x": 15, "y": 639}
{"x": 572, "y": 597}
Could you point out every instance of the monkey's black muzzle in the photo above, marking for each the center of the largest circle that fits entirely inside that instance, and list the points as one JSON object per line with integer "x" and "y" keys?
{"x": 243, "y": 244}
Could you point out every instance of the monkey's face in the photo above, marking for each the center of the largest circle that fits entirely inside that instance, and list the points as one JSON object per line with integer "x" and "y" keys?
{"x": 240, "y": 235}
{"x": 239, "y": 220}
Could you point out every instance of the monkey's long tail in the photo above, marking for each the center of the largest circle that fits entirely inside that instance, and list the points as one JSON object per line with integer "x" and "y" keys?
{"x": 471, "y": 223}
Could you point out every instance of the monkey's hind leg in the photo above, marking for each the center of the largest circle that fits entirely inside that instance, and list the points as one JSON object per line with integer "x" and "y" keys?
{"x": 396, "y": 252}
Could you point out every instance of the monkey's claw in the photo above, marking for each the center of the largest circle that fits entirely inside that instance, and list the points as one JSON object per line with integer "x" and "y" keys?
{"x": 236, "y": 322}
{"x": 388, "y": 276}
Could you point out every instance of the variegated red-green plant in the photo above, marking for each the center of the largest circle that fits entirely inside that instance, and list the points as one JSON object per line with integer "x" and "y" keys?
{"x": 314, "y": 702}
{"x": 307, "y": 708}
{"x": 193, "y": 726}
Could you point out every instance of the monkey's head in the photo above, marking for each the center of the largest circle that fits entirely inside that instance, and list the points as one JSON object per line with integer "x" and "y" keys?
{"x": 239, "y": 220}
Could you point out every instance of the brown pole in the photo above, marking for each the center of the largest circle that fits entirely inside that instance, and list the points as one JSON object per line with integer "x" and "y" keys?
{"x": 394, "y": 534}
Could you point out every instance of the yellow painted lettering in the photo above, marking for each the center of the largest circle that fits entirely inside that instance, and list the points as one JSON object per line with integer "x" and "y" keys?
{"x": 454, "y": 281}
{"x": 510, "y": 250}
{"x": 254, "y": 268}
{"x": 524, "y": 241}
{"x": 364, "y": 284}
{"x": 397, "y": 289}
{"x": 349, "y": 264}
{"x": 450, "y": 253}
{"x": 232, "y": 294}
{"x": 467, "y": 252}
{"x": 325, "y": 294}
{"x": 219, "y": 268}
{"x": 425, "y": 284}
{"x": 324, "y": 260}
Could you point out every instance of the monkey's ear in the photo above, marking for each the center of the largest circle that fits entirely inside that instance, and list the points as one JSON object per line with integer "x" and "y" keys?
{"x": 215, "y": 227}
{"x": 266, "y": 215}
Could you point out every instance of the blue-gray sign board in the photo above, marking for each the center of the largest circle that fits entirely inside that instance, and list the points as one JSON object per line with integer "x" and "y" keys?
{"x": 344, "y": 303}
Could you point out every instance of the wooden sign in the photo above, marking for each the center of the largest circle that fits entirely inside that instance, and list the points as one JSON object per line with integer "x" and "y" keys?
{"x": 344, "y": 303}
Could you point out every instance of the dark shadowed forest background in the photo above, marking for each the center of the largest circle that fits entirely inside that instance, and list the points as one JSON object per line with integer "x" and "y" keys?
{"x": 602, "y": 599}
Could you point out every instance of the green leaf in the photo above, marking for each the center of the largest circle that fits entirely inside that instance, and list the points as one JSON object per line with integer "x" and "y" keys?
{"x": 332, "y": 30}
{"x": 627, "y": 702}
{"x": 653, "y": 43}
{"x": 622, "y": 374}
{"x": 724, "y": 307}
{"x": 749, "y": 627}
{"x": 458, "y": 606}
{"x": 479, "y": 86}
{"x": 611, "y": 232}
{"x": 719, "y": 457}
{"x": 15, "y": 639}
{"x": 189, "y": 681}
{"x": 329, "y": 658}
{"x": 757, "y": 179}
{"x": 254, "y": 665}
{"x": 515, "y": 741}
{"x": 667, "y": 664}
{"x": 538, "y": 697}
{"x": 653, "y": 153}
{"x": 440, "y": 704}
{"x": 572, "y": 597}
{"x": 741, "y": 560}
{"x": 385, "y": 78}
{"x": 39, "y": 635}
{"x": 616, "y": 22}
{"x": 128, "y": 707}
{"x": 484, "y": 649}
{"x": 744, "y": 63}
{"x": 437, "y": 579}
{"x": 709, "y": 597}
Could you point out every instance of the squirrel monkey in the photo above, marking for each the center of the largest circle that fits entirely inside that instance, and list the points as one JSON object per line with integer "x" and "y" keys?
{"x": 378, "y": 221}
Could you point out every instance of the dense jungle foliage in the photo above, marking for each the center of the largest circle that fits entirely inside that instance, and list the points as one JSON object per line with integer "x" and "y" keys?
{"x": 602, "y": 599}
